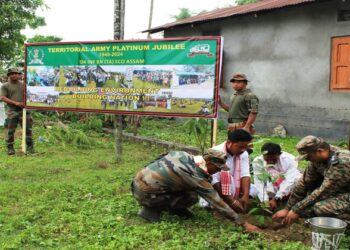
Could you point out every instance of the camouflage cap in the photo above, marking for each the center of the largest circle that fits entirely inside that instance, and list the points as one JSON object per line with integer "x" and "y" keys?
{"x": 308, "y": 145}
{"x": 216, "y": 157}
{"x": 13, "y": 70}
{"x": 239, "y": 77}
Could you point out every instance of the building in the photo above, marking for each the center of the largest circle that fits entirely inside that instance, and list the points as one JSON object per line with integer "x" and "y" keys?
{"x": 296, "y": 54}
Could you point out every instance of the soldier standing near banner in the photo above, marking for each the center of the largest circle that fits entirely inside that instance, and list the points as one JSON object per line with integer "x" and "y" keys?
{"x": 324, "y": 189}
{"x": 12, "y": 95}
{"x": 243, "y": 107}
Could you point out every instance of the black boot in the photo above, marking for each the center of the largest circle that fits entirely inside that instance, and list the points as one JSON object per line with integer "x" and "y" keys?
{"x": 10, "y": 150}
{"x": 181, "y": 212}
{"x": 30, "y": 146}
{"x": 30, "y": 149}
{"x": 150, "y": 214}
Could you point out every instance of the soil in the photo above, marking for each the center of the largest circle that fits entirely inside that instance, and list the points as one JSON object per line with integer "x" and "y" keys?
{"x": 278, "y": 232}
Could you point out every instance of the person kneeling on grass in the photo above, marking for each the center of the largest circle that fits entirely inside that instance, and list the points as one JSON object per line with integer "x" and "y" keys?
{"x": 173, "y": 183}
{"x": 324, "y": 189}
{"x": 282, "y": 168}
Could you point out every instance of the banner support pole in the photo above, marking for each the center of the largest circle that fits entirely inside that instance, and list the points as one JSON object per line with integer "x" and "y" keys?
{"x": 214, "y": 131}
{"x": 24, "y": 128}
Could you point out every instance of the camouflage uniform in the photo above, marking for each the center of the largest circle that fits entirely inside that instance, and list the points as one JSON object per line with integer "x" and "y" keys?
{"x": 14, "y": 113}
{"x": 174, "y": 181}
{"x": 324, "y": 189}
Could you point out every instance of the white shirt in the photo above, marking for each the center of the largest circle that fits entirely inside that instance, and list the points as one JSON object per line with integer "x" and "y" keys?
{"x": 286, "y": 166}
{"x": 230, "y": 162}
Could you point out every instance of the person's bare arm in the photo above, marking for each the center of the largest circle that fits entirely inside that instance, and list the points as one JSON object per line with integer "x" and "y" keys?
{"x": 12, "y": 102}
{"x": 250, "y": 121}
{"x": 223, "y": 105}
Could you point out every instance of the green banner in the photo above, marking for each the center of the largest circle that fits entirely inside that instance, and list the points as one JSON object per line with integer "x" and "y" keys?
{"x": 161, "y": 77}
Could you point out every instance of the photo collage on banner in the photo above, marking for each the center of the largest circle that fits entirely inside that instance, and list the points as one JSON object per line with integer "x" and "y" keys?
{"x": 164, "y": 77}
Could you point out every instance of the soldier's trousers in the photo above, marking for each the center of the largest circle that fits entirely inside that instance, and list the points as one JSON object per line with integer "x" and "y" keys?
{"x": 164, "y": 201}
{"x": 11, "y": 125}
{"x": 337, "y": 206}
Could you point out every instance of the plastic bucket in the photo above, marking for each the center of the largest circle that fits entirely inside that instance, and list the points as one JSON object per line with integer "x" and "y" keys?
{"x": 326, "y": 232}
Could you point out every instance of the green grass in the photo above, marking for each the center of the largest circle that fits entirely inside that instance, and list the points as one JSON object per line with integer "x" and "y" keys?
{"x": 69, "y": 198}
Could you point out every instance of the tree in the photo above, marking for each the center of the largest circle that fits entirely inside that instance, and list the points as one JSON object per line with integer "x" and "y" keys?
{"x": 15, "y": 16}
{"x": 119, "y": 17}
{"x": 44, "y": 39}
{"x": 184, "y": 13}
{"x": 242, "y": 2}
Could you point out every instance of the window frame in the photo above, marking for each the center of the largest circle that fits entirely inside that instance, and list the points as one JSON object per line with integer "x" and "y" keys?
{"x": 332, "y": 74}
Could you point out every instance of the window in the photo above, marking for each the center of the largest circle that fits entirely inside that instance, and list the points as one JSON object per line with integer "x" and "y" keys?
{"x": 340, "y": 68}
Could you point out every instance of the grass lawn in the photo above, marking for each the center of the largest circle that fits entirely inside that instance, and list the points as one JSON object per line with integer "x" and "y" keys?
{"x": 69, "y": 198}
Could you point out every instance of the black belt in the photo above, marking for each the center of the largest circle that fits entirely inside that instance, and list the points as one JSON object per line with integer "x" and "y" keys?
{"x": 231, "y": 120}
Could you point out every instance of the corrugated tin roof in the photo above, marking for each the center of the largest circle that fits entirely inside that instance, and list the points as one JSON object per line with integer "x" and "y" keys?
{"x": 231, "y": 11}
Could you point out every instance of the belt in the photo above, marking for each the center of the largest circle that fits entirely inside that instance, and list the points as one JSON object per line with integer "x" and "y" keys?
{"x": 231, "y": 120}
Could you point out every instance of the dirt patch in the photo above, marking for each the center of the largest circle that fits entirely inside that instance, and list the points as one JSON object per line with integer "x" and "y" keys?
{"x": 277, "y": 232}
{"x": 102, "y": 165}
{"x": 281, "y": 233}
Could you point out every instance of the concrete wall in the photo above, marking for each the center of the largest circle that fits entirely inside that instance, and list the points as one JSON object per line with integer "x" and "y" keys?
{"x": 286, "y": 54}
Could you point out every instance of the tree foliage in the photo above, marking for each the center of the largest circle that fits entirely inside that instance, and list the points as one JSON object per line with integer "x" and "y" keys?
{"x": 15, "y": 16}
{"x": 242, "y": 2}
{"x": 184, "y": 13}
{"x": 44, "y": 39}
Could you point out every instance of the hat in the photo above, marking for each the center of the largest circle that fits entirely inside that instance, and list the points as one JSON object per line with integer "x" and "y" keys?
{"x": 13, "y": 70}
{"x": 307, "y": 145}
{"x": 239, "y": 77}
{"x": 216, "y": 157}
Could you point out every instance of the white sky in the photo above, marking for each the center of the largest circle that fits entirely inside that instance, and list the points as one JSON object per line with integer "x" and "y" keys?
{"x": 92, "y": 20}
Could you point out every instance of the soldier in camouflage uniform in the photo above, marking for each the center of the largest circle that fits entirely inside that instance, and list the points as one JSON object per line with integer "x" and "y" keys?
{"x": 12, "y": 95}
{"x": 243, "y": 107}
{"x": 324, "y": 189}
{"x": 173, "y": 182}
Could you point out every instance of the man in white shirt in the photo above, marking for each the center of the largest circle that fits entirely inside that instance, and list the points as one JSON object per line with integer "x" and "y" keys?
{"x": 238, "y": 183}
{"x": 283, "y": 171}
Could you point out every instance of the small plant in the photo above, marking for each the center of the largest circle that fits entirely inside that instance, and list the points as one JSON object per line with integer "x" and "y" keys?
{"x": 262, "y": 209}
{"x": 200, "y": 128}
{"x": 70, "y": 136}
{"x": 92, "y": 123}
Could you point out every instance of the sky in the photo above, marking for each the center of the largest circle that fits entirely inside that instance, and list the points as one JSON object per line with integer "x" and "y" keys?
{"x": 92, "y": 20}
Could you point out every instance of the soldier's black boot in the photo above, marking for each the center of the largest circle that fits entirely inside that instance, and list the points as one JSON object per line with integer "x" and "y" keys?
{"x": 30, "y": 149}
{"x": 30, "y": 146}
{"x": 150, "y": 214}
{"x": 10, "y": 150}
{"x": 182, "y": 212}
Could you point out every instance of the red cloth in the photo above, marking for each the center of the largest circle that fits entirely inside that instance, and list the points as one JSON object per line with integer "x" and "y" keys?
{"x": 278, "y": 182}
{"x": 225, "y": 180}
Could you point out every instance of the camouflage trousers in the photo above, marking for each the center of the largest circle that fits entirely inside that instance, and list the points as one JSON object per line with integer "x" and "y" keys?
{"x": 164, "y": 201}
{"x": 337, "y": 206}
{"x": 11, "y": 125}
{"x": 240, "y": 125}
